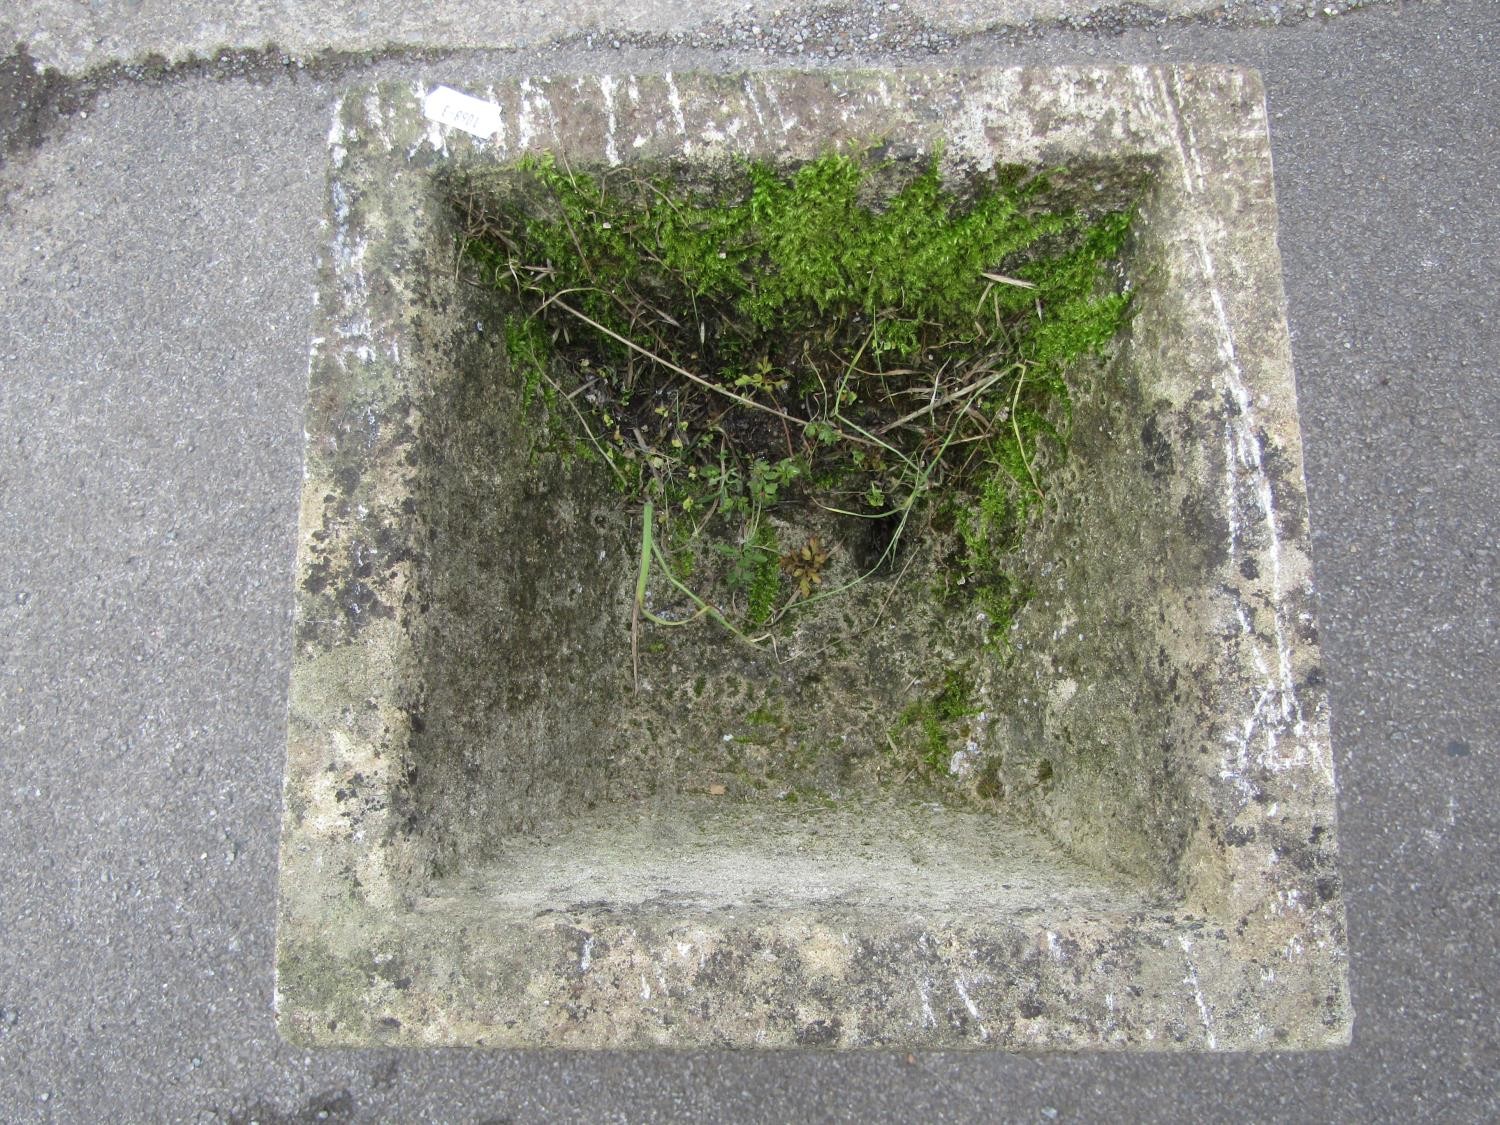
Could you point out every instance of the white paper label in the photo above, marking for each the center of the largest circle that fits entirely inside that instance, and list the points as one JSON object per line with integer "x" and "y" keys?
{"x": 460, "y": 111}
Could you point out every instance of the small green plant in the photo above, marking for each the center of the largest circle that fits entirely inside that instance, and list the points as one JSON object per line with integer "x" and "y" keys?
{"x": 933, "y": 720}
{"x": 754, "y": 572}
{"x": 852, "y": 339}
{"x": 805, "y": 565}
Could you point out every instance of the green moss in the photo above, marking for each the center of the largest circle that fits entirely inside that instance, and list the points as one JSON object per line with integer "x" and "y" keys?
{"x": 762, "y": 727}
{"x": 527, "y": 348}
{"x": 929, "y": 724}
{"x": 809, "y": 796}
{"x": 955, "y": 699}
{"x": 755, "y": 572}
{"x": 851, "y": 335}
{"x": 333, "y": 986}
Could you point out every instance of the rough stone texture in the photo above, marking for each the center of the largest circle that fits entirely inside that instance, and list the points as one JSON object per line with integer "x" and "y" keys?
{"x": 1182, "y": 832}
{"x": 74, "y": 37}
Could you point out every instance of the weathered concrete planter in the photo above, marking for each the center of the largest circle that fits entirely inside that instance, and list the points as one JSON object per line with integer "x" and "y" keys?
{"x": 461, "y": 863}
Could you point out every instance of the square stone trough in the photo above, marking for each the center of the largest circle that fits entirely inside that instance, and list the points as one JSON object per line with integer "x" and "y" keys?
{"x": 461, "y": 861}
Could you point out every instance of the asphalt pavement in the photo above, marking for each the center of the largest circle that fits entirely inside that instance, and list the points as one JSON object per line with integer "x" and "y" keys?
{"x": 158, "y": 223}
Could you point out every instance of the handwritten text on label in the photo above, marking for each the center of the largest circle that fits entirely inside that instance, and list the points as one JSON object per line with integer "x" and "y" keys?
{"x": 473, "y": 115}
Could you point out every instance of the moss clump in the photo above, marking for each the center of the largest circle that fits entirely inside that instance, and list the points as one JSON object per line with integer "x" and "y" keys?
{"x": 929, "y": 724}
{"x": 849, "y": 338}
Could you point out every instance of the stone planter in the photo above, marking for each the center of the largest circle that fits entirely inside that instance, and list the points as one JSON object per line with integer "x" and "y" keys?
{"x": 469, "y": 858}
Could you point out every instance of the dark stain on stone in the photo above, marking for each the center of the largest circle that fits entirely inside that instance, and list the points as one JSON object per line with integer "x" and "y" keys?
{"x": 415, "y": 720}
{"x": 1156, "y": 450}
{"x": 819, "y": 1033}
{"x": 35, "y": 102}
{"x": 1457, "y": 748}
{"x": 1206, "y": 527}
{"x": 318, "y": 576}
{"x": 1286, "y": 487}
{"x": 723, "y": 969}
{"x": 361, "y": 605}
{"x": 348, "y": 571}
{"x": 1299, "y": 857}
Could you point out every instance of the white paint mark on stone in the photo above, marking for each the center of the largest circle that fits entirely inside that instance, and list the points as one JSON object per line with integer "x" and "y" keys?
{"x": 1251, "y": 477}
{"x": 788, "y": 122}
{"x": 925, "y": 991}
{"x": 336, "y": 149}
{"x": 1247, "y": 488}
{"x": 418, "y": 91}
{"x": 1182, "y": 129}
{"x": 1170, "y": 115}
{"x": 973, "y": 118}
{"x": 349, "y": 265}
{"x": 1055, "y": 949}
{"x": 607, "y": 88}
{"x": 1192, "y": 980}
{"x": 645, "y": 988}
{"x": 963, "y": 994}
{"x": 961, "y": 764}
{"x": 587, "y": 957}
{"x": 1231, "y": 512}
{"x": 525, "y": 128}
{"x": 749, "y": 87}
{"x": 674, "y": 99}
{"x": 375, "y": 116}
